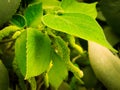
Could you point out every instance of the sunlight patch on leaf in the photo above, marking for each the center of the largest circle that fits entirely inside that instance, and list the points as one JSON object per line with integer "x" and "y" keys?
{"x": 20, "y": 52}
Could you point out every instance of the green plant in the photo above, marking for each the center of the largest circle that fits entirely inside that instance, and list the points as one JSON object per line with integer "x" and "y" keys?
{"x": 8, "y": 8}
{"x": 43, "y": 42}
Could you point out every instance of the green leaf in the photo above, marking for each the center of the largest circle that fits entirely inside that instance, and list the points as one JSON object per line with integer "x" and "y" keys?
{"x": 33, "y": 14}
{"x": 38, "y": 52}
{"x": 18, "y": 20}
{"x": 64, "y": 52}
{"x": 80, "y": 25}
{"x": 20, "y": 52}
{"x": 50, "y": 3}
{"x": 58, "y": 72}
{"x": 32, "y": 51}
{"x": 73, "y": 6}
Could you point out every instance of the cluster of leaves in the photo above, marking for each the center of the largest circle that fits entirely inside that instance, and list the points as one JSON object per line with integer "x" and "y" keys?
{"x": 44, "y": 34}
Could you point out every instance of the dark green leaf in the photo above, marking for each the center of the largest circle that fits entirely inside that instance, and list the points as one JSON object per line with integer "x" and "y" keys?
{"x": 33, "y": 14}
{"x": 18, "y": 20}
{"x": 64, "y": 52}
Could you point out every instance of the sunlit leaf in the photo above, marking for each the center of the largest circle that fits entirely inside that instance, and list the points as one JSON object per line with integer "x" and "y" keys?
{"x": 80, "y": 25}
{"x": 38, "y": 52}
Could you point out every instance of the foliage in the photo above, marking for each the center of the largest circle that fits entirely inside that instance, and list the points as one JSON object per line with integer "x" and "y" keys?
{"x": 44, "y": 46}
{"x": 8, "y": 8}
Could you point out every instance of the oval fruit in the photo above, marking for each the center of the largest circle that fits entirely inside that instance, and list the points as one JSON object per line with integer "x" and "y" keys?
{"x": 105, "y": 65}
{"x": 7, "y": 9}
{"x": 4, "y": 78}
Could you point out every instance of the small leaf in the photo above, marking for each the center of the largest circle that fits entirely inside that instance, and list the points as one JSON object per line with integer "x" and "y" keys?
{"x": 64, "y": 52}
{"x": 80, "y": 25}
{"x": 72, "y": 6}
{"x": 18, "y": 20}
{"x": 33, "y": 14}
{"x": 32, "y": 51}
{"x": 58, "y": 71}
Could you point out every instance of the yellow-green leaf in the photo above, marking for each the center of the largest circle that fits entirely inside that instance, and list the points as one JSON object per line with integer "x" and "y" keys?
{"x": 77, "y": 24}
{"x": 73, "y": 6}
{"x": 58, "y": 71}
{"x": 32, "y": 51}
